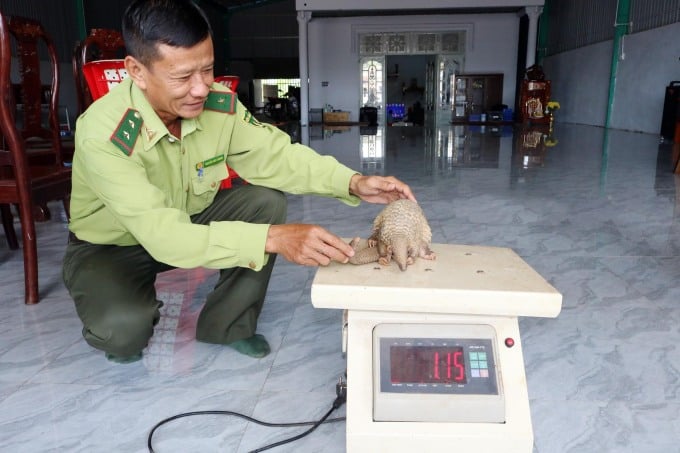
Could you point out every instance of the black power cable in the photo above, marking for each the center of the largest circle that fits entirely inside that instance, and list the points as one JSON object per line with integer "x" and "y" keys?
{"x": 336, "y": 404}
{"x": 341, "y": 390}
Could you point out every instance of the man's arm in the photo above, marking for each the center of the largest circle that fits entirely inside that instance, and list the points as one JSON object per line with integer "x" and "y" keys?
{"x": 313, "y": 245}
{"x": 379, "y": 189}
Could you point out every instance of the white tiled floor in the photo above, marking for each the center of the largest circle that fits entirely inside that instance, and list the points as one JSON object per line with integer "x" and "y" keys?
{"x": 597, "y": 215}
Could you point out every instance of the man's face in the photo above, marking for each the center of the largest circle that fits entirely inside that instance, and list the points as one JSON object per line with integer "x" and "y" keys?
{"x": 177, "y": 83}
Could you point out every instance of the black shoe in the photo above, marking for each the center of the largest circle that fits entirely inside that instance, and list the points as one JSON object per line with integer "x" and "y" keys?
{"x": 255, "y": 346}
{"x": 124, "y": 359}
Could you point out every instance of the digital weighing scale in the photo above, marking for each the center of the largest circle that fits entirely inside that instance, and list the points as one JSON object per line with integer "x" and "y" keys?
{"x": 434, "y": 357}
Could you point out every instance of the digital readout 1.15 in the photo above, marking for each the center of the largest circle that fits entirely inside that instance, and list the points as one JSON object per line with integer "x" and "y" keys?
{"x": 427, "y": 365}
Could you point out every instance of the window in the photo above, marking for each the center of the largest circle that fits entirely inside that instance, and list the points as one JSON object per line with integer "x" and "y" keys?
{"x": 407, "y": 43}
{"x": 275, "y": 87}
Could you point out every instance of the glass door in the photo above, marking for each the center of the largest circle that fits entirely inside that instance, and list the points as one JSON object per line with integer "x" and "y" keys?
{"x": 373, "y": 84}
{"x": 447, "y": 68}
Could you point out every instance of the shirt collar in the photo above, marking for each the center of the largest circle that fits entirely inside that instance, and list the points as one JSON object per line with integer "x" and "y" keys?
{"x": 153, "y": 128}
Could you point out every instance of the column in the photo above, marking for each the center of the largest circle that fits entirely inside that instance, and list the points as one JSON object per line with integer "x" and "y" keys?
{"x": 303, "y": 18}
{"x": 533, "y": 12}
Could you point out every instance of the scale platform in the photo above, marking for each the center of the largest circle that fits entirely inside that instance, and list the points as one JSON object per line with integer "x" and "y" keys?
{"x": 434, "y": 356}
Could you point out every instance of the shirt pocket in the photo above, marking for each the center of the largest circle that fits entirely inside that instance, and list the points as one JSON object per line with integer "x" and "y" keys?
{"x": 204, "y": 187}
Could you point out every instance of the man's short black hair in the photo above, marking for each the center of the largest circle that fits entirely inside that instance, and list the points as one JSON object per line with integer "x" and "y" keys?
{"x": 148, "y": 23}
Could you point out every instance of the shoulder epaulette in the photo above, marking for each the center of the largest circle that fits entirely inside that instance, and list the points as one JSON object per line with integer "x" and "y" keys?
{"x": 219, "y": 101}
{"x": 125, "y": 135}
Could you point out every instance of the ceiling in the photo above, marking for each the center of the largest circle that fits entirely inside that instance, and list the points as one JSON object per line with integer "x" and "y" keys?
{"x": 231, "y": 6}
{"x": 416, "y": 11}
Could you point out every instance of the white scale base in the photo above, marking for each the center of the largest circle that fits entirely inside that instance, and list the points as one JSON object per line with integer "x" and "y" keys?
{"x": 466, "y": 286}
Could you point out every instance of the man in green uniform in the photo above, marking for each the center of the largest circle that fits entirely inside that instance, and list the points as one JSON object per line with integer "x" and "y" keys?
{"x": 149, "y": 160}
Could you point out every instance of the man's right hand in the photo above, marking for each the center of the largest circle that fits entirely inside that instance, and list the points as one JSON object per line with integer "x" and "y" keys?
{"x": 309, "y": 245}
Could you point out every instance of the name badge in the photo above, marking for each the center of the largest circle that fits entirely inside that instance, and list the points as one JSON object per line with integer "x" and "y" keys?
{"x": 210, "y": 162}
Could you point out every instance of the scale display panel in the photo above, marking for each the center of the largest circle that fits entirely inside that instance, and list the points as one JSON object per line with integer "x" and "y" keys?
{"x": 438, "y": 372}
{"x": 437, "y": 365}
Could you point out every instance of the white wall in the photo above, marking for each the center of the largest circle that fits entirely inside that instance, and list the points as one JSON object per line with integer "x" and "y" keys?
{"x": 580, "y": 80}
{"x": 580, "y": 83}
{"x": 491, "y": 48}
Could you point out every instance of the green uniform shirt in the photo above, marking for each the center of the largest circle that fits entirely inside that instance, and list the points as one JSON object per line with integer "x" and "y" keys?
{"x": 133, "y": 183}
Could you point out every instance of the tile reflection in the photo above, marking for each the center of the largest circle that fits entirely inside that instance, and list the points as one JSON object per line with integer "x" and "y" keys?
{"x": 372, "y": 150}
{"x": 464, "y": 146}
{"x": 532, "y": 144}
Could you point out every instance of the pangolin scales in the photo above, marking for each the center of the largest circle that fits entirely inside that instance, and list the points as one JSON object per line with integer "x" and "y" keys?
{"x": 400, "y": 233}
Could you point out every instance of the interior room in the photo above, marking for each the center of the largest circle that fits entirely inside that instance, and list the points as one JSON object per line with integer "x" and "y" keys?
{"x": 406, "y": 88}
{"x": 545, "y": 129}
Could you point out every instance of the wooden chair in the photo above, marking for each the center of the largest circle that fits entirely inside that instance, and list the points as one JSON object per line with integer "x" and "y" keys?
{"x": 26, "y": 182}
{"x": 100, "y": 44}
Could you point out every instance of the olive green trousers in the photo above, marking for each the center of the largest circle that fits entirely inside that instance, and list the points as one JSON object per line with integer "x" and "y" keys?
{"x": 113, "y": 286}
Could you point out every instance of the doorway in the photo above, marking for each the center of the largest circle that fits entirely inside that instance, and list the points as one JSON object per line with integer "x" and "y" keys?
{"x": 407, "y": 89}
{"x": 410, "y": 69}
{"x": 418, "y": 88}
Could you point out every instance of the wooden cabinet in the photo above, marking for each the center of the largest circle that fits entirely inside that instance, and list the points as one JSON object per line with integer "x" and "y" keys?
{"x": 534, "y": 97}
{"x": 475, "y": 94}
{"x": 336, "y": 117}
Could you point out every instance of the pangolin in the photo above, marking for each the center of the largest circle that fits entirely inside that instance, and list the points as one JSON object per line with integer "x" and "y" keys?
{"x": 400, "y": 232}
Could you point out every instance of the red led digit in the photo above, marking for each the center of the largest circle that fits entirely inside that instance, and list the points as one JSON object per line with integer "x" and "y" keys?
{"x": 436, "y": 366}
{"x": 448, "y": 366}
{"x": 460, "y": 376}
